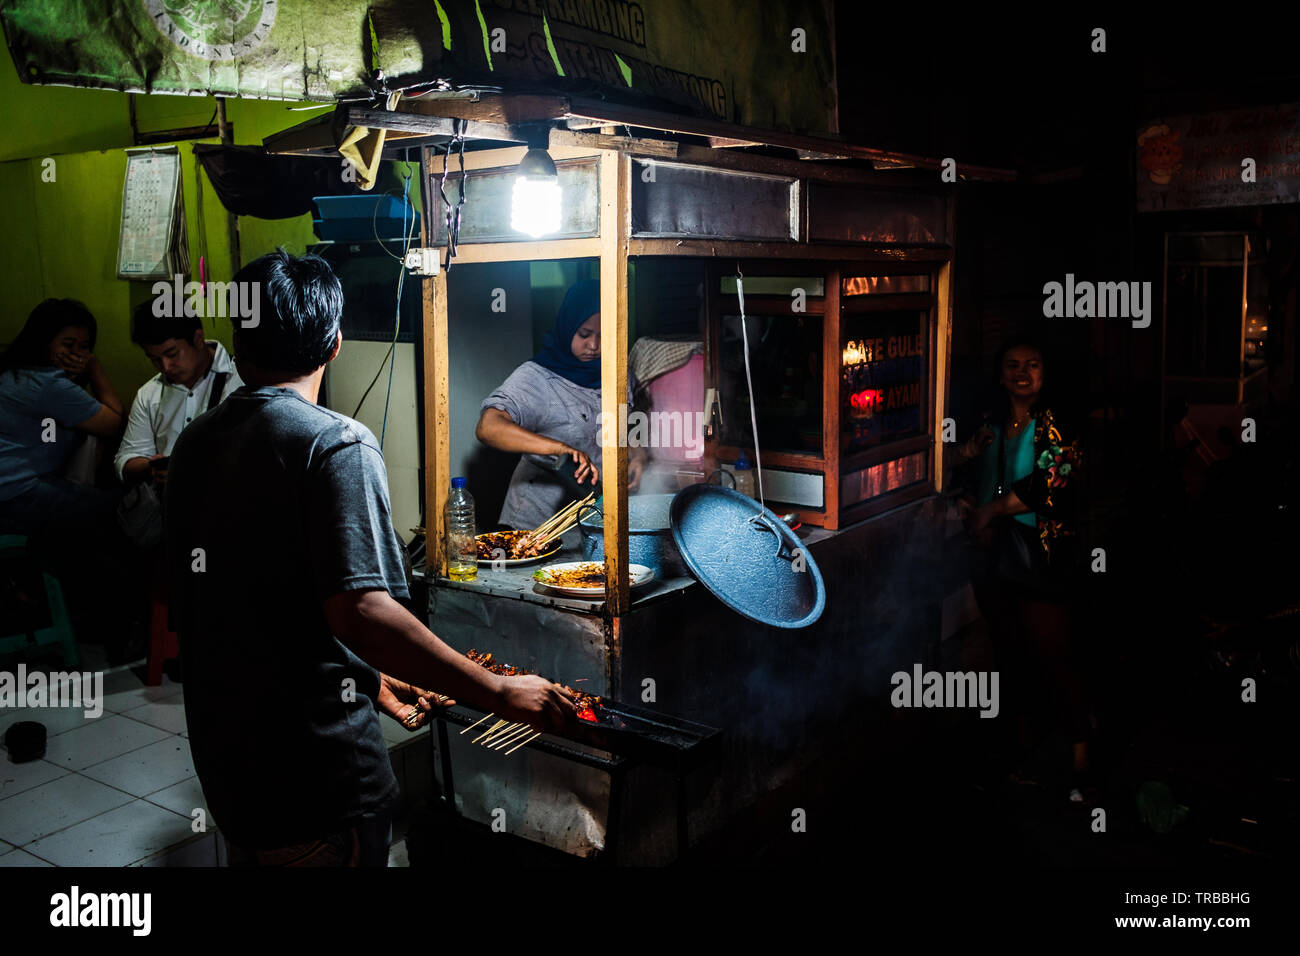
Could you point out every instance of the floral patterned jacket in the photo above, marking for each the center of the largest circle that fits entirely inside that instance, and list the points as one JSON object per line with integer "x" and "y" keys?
{"x": 1052, "y": 489}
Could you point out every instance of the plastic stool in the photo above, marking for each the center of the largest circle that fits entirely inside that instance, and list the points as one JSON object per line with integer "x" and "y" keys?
{"x": 163, "y": 643}
{"x": 60, "y": 630}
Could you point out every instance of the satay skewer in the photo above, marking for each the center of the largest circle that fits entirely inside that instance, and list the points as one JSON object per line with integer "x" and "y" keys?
{"x": 547, "y": 528}
{"x": 495, "y": 726}
{"x": 475, "y": 724}
{"x": 497, "y": 734}
{"x": 495, "y": 745}
{"x": 550, "y": 522}
{"x": 556, "y": 532}
{"x": 526, "y": 740}
{"x": 556, "y": 519}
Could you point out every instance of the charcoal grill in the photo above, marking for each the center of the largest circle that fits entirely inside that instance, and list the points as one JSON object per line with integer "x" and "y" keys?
{"x": 622, "y": 737}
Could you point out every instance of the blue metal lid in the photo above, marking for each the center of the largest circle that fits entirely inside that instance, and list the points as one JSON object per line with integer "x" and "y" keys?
{"x": 747, "y": 556}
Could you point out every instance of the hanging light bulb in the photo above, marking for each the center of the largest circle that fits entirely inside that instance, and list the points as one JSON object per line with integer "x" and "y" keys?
{"x": 535, "y": 203}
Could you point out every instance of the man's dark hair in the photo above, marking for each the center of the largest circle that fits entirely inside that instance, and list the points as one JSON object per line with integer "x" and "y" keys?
{"x": 301, "y": 306}
{"x": 31, "y": 349}
{"x": 150, "y": 329}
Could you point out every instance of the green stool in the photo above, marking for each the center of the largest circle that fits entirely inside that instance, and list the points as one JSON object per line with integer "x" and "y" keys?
{"x": 13, "y": 547}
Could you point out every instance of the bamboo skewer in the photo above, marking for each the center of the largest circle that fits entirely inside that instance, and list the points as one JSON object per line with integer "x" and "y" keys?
{"x": 526, "y": 740}
{"x": 568, "y": 525}
{"x": 564, "y": 526}
{"x": 565, "y": 512}
{"x": 497, "y": 734}
{"x": 502, "y": 734}
{"x": 496, "y": 726}
{"x": 549, "y": 523}
{"x": 475, "y": 724}
{"x": 509, "y": 738}
{"x": 546, "y": 530}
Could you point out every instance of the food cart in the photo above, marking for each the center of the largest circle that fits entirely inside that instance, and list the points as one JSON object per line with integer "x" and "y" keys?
{"x": 845, "y": 256}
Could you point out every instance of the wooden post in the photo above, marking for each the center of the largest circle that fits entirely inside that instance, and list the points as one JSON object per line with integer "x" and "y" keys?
{"x": 942, "y": 339}
{"x": 832, "y": 366}
{"x": 615, "y": 208}
{"x": 437, "y": 396}
{"x": 232, "y": 221}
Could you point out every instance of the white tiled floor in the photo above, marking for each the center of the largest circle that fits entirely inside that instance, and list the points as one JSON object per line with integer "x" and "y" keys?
{"x": 22, "y": 858}
{"x": 120, "y": 789}
{"x": 183, "y": 798}
{"x": 115, "y": 790}
{"x": 119, "y": 837}
{"x": 52, "y": 806}
{"x": 100, "y": 740}
{"x": 168, "y": 715}
{"x": 17, "y": 777}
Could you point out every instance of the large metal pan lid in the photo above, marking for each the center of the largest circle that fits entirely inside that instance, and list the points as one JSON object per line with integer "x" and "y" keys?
{"x": 747, "y": 556}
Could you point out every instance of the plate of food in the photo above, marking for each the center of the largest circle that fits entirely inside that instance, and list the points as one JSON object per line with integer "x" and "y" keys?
{"x": 586, "y": 579}
{"x": 509, "y": 549}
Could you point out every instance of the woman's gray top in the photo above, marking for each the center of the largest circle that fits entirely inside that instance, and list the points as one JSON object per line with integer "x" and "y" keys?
{"x": 546, "y": 404}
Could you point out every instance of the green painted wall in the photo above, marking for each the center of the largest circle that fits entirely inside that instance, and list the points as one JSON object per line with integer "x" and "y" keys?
{"x": 61, "y": 236}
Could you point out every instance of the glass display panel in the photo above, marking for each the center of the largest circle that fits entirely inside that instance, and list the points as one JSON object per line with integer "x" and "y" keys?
{"x": 785, "y": 354}
{"x": 882, "y": 378}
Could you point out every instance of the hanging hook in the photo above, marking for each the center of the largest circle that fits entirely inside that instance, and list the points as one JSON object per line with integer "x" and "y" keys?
{"x": 739, "y": 274}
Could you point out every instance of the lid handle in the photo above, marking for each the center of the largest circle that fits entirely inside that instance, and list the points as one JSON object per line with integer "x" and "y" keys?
{"x": 782, "y": 549}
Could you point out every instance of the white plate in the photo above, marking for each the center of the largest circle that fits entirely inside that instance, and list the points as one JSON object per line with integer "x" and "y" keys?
{"x": 516, "y": 562}
{"x": 638, "y": 574}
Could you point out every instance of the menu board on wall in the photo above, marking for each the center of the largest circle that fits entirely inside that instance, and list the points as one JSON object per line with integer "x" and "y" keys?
{"x": 152, "y": 243}
{"x": 1247, "y": 157}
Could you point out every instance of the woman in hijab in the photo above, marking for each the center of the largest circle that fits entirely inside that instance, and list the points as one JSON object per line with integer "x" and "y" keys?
{"x": 550, "y": 407}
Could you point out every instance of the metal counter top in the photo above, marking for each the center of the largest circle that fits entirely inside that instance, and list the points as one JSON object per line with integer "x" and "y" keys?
{"x": 517, "y": 582}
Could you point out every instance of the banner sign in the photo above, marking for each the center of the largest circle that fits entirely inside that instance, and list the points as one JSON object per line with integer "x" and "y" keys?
{"x": 740, "y": 61}
{"x": 1246, "y": 157}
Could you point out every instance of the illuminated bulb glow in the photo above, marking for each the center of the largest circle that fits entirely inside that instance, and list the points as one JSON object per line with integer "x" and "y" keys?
{"x": 535, "y": 205}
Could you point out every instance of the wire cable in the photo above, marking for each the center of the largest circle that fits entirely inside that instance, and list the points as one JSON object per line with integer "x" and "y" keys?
{"x": 374, "y": 227}
{"x": 753, "y": 414}
{"x": 397, "y": 326}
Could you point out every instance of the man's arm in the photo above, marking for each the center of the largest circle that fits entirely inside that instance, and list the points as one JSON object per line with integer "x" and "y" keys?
{"x": 391, "y": 639}
{"x": 139, "y": 445}
{"x": 409, "y": 706}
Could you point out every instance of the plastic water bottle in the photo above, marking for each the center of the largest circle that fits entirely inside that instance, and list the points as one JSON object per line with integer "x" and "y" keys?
{"x": 743, "y": 472}
{"x": 462, "y": 549}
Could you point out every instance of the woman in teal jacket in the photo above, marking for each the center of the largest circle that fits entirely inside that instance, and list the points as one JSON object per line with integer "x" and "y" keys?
{"x": 1024, "y": 531}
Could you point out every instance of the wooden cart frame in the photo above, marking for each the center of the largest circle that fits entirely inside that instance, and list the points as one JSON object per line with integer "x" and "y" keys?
{"x": 563, "y": 125}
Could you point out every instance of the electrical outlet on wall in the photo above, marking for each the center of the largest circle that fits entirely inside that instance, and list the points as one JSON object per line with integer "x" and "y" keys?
{"x": 422, "y": 262}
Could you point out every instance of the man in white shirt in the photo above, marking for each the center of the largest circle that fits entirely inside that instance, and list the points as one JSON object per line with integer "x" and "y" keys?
{"x": 190, "y": 369}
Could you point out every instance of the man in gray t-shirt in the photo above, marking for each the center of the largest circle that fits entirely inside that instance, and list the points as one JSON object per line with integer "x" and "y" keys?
{"x": 288, "y": 503}
{"x": 286, "y": 578}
